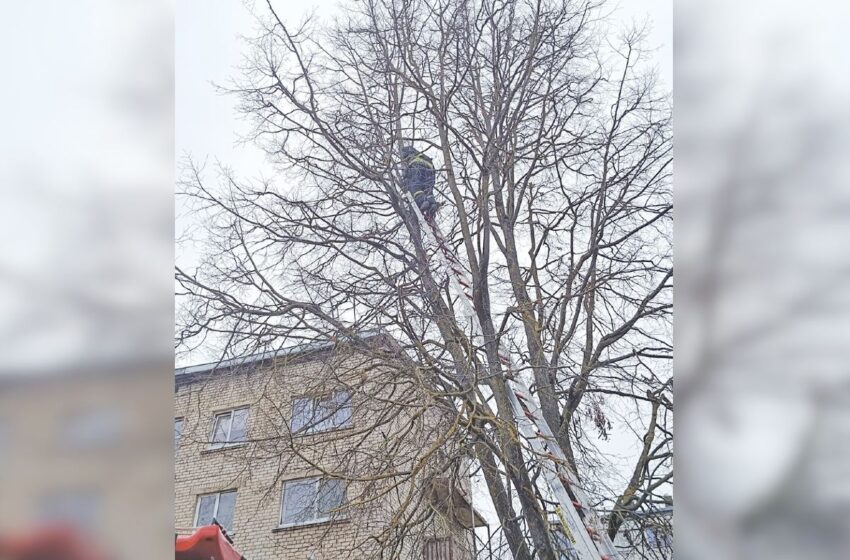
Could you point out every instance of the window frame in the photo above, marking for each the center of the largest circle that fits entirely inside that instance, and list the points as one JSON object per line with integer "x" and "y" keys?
{"x": 81, "y": 508}
{"x": 215, "y": 508}
{"x": 228, "y": 443}
{"x": 92, "y": 430}
{"x": 314, "y": 426}
{"x": 316, "y": 480}
{"x": 178, "y": 433}
{"x": 656, "y": 536}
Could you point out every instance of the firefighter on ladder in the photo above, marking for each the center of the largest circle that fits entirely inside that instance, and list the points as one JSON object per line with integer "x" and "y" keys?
{"x": 418, "y": 177}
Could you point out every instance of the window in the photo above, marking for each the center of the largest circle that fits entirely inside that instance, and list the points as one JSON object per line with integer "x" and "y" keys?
{"x": 563, "y": 546}
{"x": 311, "y": 500}
{"x": 93, "y": 429}
{"x": 311, "y": 415}
{"x": 230, "y": 427}
{"x": 438, "y": 549}
{"x": 4, "y": 436}
{"x": 218, "y": 506}
{"x": 657, "y": 537}
{"x": 79, "y": 508}
{"x": 178, "y": 431}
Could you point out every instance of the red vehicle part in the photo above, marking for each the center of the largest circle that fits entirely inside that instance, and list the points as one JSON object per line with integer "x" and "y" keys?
{"x": 47, "y": 543}
{"x": 206, "y": 543}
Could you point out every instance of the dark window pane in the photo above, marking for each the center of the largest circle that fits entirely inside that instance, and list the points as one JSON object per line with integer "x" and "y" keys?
{"x": 79, "y": 509}
{"x": 302, "y": 411}
{"x": 93, "y": 428}
{"x": 323, "y": 415}
{"x": 331, "y": 496}
{"x": 222, "y": 429}
{"x": 178, "y": 431}
{"x": 239, "y": 425}
{"x": 206, "y": 510}
{"x": 342, "y": 406}
{"x": 226, "y": 507}
{"x": 299, "y": 498}
{"x": 331, "y": 412}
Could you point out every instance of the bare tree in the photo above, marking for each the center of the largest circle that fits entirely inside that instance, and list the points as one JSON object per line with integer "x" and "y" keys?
{"x": 553, "y": 149}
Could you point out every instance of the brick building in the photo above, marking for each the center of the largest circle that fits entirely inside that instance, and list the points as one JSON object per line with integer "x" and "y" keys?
{"x": 320, "y": 452}
{"x": 647, "y": 535}
{"x": 89, "y": 448}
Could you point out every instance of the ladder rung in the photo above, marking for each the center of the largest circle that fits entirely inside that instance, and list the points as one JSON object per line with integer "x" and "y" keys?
{"x": 565, "y": 486}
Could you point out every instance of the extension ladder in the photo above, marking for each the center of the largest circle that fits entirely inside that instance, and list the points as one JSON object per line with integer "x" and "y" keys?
{"x": 581, "y": 525}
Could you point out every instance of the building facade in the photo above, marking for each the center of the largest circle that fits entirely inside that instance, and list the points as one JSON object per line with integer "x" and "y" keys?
{"x": 88, "y": 449}
{"x": 647, "y": 535}
{"x": 317, "y": 453}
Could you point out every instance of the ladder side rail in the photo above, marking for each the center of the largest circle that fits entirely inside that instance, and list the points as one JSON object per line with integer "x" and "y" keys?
{"x": 590, "y": 517}
{"x": 527, "y": 420}
{"x": 533, "y": 426}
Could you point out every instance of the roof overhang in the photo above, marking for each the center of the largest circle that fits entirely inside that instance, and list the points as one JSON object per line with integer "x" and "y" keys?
{"x": 257, "y": 359}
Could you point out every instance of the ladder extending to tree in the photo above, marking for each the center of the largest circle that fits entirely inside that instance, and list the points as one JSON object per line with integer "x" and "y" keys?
{"x": 581, "y": 524}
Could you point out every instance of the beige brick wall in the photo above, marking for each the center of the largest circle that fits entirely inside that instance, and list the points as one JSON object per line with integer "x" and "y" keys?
{"x": 258, "y": 469}
{"x": 123, "y": 473}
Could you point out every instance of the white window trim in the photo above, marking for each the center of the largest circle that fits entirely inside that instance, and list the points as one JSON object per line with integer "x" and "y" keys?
{"x": 315, "y": 428}
{"x": 215, "y": 508}
{"x": 228, "y": 443}
{"x": 336, "y": 516}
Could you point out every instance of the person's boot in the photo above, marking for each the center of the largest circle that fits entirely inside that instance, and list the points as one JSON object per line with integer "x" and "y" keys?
{"x": 429, "y": 207}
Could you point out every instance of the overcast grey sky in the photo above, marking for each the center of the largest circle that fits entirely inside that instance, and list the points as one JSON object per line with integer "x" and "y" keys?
{"x": 87, "y": 183}
{"x": 209, "y": 48}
